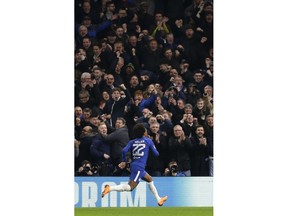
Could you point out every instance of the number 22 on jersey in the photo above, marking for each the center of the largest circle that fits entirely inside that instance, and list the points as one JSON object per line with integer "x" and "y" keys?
{"x": 137, "y": 149}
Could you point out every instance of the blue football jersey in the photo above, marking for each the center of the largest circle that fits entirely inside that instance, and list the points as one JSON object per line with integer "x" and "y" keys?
{"x": 139, "y": 149}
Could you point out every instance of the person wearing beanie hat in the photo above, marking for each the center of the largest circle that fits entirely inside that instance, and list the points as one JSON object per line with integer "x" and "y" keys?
{"x": 131, "y": 66}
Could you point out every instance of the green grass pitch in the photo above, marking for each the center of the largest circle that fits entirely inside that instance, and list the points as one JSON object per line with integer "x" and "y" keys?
{"x": 145, "y": 211}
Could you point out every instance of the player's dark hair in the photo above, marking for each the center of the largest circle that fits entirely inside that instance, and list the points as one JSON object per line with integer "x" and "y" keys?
{"x": 139, "y": 130}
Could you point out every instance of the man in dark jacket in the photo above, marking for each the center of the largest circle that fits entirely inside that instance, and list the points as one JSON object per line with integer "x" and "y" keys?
{"x": 202, "y": 154}
{"x": 180, "y": 148}
{"x": 84, "y": 147}
{"x": 101, "y": 151}
{"x": 117, "y": 139}
{"x": 116, "y": 105}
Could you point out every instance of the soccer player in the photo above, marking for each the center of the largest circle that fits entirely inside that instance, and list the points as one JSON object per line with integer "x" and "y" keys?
{"x": 139, "y": 148}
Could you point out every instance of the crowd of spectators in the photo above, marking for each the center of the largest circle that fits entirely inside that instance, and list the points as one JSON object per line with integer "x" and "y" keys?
{"x": 150, "y": 62}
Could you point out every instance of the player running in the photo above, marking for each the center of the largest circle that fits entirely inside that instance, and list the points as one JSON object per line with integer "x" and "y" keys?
{"x": 139, "y": 148}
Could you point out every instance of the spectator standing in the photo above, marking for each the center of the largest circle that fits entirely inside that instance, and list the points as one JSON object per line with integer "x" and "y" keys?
{"x": 189, "y": 123}
{"x": 117, "y": 139}
{"x": 101, "y": 151}
{"x": 151, "y": 56}
{"x": 116, "y": 105}
{"x": 200, "y": 111}
{"x": 84, "y": 146}
{"x": 202, "y": 153}
{"x": 155, "y": 165}
{"x": 180, "y": 148}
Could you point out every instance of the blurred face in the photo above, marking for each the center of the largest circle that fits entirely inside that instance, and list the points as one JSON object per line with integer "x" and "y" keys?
{"x": 83, "y": 31}
{"x": 97, "y": 73}
{"x": 198, "y": 77}
{"x": 158, "y": 100}
{"x": 158, "y": 87}
{"x": 208, "y": 8}
{"x": 111, "y": 39}
{"x": 105, "y": 96}
{"x": 116, "y": 95}
{"x": 119, "y": 32}
{"x": 86, "y": 78}
{"x": 153, "y": 45}
{"x": 122, "y": 13}
{"x": 134, "y": 81}
{"x": 168, "y": 54}
{"x": 209, "y": 18}
{"x": 96, "y": 50}
{"x": 102, "y": 129}
{"x": 152, "y": 120}
{"x": 189, "y": 118}
{"x": 78, "y": 57}
{"x": 178, "y": 81}
{"x": 87, "y": 22}
{"x": 139, "y": 97}
{"x": 209, "y": 121}
{"x": 200, "y": 104}
{"x": 188, "y": 110}
{"x": 111, "y": 7}
{"x": 86, "y": 115}
{"x": 158, "y": 17}
{"x": 154, "y": 128}
{"x": 199, "y": 131}
{"x": 118, "y": 47}
{"x": 110, "y": 79}
{"x": 173, "y": 73}
{"x": 133, "y": 40}
{"x": 78, "y": 111}
{"x": 177, "y": 131}
{"x": 86, "y": 43}
{"x": 86, "y": 7}
{"x": 85, "y": 131}
{"x": 145, "y": 111}
{"x": 151, "y": 88}
{"x": 170, "y": 38}
{"x": 83, "y": 52}
{"x": 119, "y": 124}
{"x": 135, "y": 18}
{"x": 166, "y": 116}
{"x": 83, "y": 98}
{"x": 189, "y": 33}
{"x": 208, "y": 90}
{"x": 95, "y": 121}
{"x": 180, "y": 104}
{"x": 129, "y": 70}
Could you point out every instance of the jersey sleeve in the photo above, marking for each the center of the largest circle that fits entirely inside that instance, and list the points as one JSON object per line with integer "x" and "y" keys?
{"x": 125, "y": 150}
{"x": 152, "y": 147}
